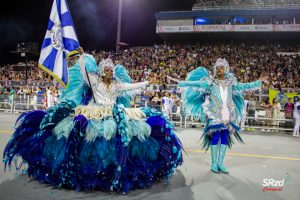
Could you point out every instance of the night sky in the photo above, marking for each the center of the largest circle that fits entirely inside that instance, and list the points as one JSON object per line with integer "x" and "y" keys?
{"x": 95, "y": 22}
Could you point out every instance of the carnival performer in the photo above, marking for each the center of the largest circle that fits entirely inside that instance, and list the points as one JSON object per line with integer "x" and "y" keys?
{"x": 91, "y": 139}
{"x": 218, "y": 98}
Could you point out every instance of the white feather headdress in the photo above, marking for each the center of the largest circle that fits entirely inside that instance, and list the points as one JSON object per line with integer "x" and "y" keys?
{"x": 106, "y": 63}
{"x": 221, "y": 62}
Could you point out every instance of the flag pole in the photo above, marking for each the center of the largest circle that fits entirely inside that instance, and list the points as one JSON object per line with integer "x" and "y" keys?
{"x": 88, "y": 78}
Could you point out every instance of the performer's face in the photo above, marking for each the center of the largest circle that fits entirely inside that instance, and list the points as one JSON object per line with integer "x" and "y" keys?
{"x": 220, "y": 71}
{"x": 108, "y": 72}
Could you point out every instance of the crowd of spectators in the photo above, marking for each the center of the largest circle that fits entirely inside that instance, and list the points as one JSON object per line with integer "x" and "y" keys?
{"x": 17, "y": 72}
{"x": 247, "y": 61}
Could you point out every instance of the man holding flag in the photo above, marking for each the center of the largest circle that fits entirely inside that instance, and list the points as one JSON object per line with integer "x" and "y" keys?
{"x": 60, "y": 41}
{"x": 60, "y": 54}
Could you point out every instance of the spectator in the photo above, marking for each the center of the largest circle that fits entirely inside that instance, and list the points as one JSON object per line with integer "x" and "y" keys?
{"x": 12, "y": 93}
{"x": 276, "y": 112}
{"x": 251, "y": 110}
{"x": 297, "y": 119}
{"x": 40, "y": 95}
{"x": 1, "y": 89}
{"x": 289, "y": 109}
{"x": 176, "y": 103}
{"x": 166, "y": 103}
{"x": 55, "y": 95}
{"x": 268, "y": 108}
{"x": 50, "y": 97}
{"x": 156, "y": 100}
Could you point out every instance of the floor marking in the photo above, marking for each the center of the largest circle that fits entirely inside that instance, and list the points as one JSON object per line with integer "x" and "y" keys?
{"x": 249, "y": 155}
{"x": 6, "y": 131}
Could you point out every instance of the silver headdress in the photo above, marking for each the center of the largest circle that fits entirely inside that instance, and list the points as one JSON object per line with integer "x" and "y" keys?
{"x": 221, "y": 62}
{"x": 104, "y": 64}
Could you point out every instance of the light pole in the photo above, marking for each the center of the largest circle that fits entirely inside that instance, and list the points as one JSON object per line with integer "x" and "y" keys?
{"x": 119, "y": 26}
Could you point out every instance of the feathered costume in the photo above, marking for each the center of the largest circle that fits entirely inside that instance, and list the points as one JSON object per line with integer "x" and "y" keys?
{"x": 100, "y": 146}
{"x": 215, "y": 100}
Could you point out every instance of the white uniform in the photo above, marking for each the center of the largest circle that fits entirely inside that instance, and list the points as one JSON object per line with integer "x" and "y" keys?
{"x": 297, "y": 119}
{"x": 245, "y": 113}
{"x": 172, "y": 101}
{"x": 166, "y": 101}
{"x": 50, "y": 99}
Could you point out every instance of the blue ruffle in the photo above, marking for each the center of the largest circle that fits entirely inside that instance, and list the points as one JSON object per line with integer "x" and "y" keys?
{"x": 210, "y": 129}
{"x": 117, "y": 163}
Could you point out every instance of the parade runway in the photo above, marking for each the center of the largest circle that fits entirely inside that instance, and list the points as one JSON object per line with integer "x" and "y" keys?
{"x": 264, "y": 157}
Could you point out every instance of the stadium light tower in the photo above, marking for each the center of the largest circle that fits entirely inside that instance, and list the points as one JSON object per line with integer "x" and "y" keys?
{"x": 119, "y": 26}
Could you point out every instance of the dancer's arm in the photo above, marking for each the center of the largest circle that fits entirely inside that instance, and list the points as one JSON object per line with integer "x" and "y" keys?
{"x": 249, "y": 86}
{"x": 200, "y": 84}
{"x": 256, "y": 85}
{"x": 132, "y": 86}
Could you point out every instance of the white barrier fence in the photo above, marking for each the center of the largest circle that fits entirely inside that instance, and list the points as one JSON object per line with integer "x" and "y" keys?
{"x": 193, "y": 120}
{"x": 271, "y": 120}
{"x": 254, "y": 123}
{"x": 18, "y": 107}
{"x": 6, "y": 107}
{"x": 23, "y": 107}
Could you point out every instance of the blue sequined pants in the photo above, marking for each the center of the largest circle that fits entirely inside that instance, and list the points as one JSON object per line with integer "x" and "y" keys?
{"x": 220, "y": 134}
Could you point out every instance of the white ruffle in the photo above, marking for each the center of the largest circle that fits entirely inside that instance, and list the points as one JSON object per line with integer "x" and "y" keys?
{"x": 98, "y": 112}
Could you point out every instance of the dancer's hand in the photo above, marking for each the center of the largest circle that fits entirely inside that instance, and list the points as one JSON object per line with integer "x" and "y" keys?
{"x": 226, "y": 122}
{"x": 173, "y": 79}
{"x": 80, "y": 50}
{"x": 264, "y": 78}
{"x": 150, "y": 80}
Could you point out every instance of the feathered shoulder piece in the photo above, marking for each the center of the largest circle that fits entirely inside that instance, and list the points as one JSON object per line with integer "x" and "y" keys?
{"x": 121, "y": 75}
{"x": 193, "y": 98}
{"x": 197, "y": 74}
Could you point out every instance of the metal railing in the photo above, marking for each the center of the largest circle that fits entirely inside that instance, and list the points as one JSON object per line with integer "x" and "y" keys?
{"x": 194, "y": 120}
{"x": 7, "y": 107}
{"x": 175, "y": 120}
{"x": 23, "y": 107}
{"x": 260, "y": 122}
{"x": 271, "y": 125}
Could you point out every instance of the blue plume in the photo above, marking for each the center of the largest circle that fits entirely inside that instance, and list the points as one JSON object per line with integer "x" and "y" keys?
{"x": 121, "y": 75}
{"x": 76, "y": 88}
{"x": 193, "y": 98}
{"x": 20, "y": 143}
{"x": 197, "y": 74}
{"x": 239, "y": 102}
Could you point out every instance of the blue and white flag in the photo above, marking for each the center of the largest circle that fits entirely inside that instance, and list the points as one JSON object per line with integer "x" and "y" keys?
{"x": 60, "y": 40}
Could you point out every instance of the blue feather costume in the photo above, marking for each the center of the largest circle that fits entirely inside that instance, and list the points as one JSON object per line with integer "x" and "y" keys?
{"x": 220, "y": 104}
{"x": 202, "y": 97}
{"x": 96, "y": 146}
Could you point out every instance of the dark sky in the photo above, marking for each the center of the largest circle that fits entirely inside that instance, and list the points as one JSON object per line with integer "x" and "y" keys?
{"x": 95, "y": 22}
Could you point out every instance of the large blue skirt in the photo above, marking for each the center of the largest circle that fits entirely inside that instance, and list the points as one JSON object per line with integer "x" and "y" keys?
{"x": 115, "y": 164}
